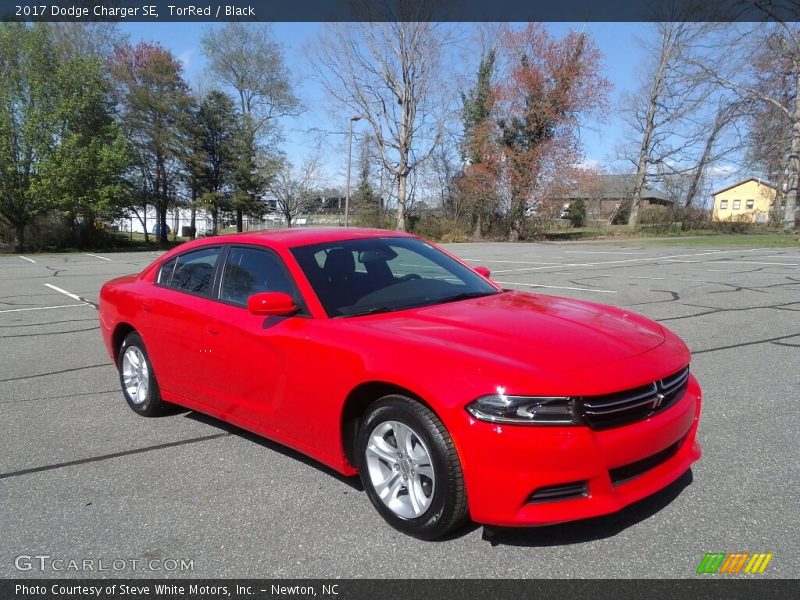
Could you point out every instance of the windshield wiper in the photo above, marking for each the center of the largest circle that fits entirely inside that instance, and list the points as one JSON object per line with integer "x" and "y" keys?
{"x": 374, "y": 311}
{"x": 384, "y": 309}
{"x": 465, "y": 296}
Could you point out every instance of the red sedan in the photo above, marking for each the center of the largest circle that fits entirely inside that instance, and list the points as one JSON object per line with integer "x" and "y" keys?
{"x": 380, "y": 354}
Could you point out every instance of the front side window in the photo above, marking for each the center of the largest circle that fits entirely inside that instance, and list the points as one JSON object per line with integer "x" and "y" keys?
{"x": 250, "y": 271}
{"x": 737, "y": 204}
{"x": 191, "y": 272}
{"x": 723, "y": 204}
{"x": 750, "y": 204}
{"x": 357, "y": 277}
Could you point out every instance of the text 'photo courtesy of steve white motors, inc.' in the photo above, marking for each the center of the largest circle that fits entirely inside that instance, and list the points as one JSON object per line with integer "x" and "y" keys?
{"x": 164, "y": 590}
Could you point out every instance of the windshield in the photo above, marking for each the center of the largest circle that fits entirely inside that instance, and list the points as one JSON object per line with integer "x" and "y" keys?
{"x": 357, "y": 277}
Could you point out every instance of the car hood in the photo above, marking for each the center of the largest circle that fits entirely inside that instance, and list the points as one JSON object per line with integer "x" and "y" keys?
{"x": 558, "y": 334}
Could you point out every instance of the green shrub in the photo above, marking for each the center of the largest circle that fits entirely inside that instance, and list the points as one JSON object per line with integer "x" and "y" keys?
{"x": 738, "y": 224}
{"x": 576, "y": 213}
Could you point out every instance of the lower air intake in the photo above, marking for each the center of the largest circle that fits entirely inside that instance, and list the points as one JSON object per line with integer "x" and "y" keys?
{"x": 563, "y": 491}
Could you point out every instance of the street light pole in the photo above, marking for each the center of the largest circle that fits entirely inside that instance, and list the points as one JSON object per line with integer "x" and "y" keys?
{"x": 349, "y": 163}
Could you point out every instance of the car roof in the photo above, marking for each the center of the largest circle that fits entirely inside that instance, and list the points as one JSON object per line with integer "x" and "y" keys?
{"x": 304, "y": 236}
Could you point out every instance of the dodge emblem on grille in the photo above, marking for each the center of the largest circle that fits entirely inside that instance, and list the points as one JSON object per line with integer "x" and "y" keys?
{"x": 657, "y": 401}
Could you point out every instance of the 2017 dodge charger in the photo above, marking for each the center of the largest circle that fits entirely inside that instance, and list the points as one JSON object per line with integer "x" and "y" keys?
{"x": 379, "y": 354}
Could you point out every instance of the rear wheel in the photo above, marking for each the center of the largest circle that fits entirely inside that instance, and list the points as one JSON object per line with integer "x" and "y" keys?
{"x": 410, "y": 469}
{"x": 139, "y": 384}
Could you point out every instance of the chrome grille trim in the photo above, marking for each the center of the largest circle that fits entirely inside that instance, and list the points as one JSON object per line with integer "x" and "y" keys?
{"x": 611, "y": 411}
{"x": 629, "y": 406}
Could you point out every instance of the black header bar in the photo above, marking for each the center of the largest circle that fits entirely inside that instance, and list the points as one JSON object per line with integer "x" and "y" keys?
{"x": 165, "y": 11}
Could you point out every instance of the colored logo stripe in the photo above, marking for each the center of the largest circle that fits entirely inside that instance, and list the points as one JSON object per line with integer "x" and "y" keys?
{"x": 734, "y": 562}
{"x": 758, "y": 563}
{"x": 711, "y": 562}
{"x": 720, "y": 562}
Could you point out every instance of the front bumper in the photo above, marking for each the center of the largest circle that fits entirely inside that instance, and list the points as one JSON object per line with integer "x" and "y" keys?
{"x": 503, "y": 465}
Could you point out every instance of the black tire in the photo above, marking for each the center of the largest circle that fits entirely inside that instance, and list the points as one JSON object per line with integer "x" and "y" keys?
{"x": 151, "y": 404}
{"x": 447, "y": 508}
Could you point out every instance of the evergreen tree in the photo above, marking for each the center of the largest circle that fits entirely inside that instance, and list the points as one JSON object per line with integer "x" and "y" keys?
{"x": 213, "y": 159}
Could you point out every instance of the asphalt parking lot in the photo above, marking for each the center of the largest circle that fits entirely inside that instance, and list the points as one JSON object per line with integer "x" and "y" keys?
{"x": 83, "y": 477}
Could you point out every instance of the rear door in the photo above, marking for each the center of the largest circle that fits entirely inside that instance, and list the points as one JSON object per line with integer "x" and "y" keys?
{"x": 177, "y": 308}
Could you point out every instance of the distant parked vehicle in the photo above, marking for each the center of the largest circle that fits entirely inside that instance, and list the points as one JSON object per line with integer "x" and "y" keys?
{"x": 156, "y": 230}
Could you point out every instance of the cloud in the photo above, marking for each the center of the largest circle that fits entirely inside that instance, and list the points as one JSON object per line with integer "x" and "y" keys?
{"x": 722, "y": 170}
{"x": 186, "y": 57}
{"x": 590, "y": 164}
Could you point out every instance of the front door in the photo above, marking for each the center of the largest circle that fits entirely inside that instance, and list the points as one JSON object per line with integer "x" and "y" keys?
{"x": 245, "y": 355}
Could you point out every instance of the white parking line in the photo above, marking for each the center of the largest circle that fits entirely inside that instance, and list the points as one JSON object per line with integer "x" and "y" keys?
{"x": 65, "y": 292}
{"x": 10, "y": 310}
{"x": 513, "y": 262}
{"x": 96, "y": 256}
{"x": 523, "y": 270}
{"x": 666, "y": 258}
{"x": 30, "y": 260}
{"x": 755, "y": 262}
{"x": 592, "y": 276}
{"x": 557, "y": 287}
{"x": 598, "y": 252}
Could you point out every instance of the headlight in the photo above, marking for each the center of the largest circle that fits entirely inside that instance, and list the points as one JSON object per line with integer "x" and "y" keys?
{"x": 525, "y": 410}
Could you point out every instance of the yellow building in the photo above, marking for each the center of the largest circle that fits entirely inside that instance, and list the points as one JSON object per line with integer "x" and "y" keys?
{"x": 749, "y": 200}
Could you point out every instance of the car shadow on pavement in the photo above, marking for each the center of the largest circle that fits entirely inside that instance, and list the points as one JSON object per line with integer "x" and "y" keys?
{"x": 353, "y": 482}
{"x": 587, "y": 530}
{"x": 171, "y": 410}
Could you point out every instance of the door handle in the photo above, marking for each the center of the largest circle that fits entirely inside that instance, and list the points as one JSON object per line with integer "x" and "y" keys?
{"x": 212, "y": 331}
{"x": 146, "y": 307}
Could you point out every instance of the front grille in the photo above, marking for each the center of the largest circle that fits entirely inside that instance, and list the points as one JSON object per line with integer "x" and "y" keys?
{"x": 562, "y": 491}
{"x": 621, "y": 408}
{"x": 630, "y": 471}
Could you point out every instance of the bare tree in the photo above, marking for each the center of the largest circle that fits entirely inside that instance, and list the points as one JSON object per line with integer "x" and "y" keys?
{"x": 249, "y": 60}
{"x": 386, "y": 73}
{"x": 293, "y": 187}
{"x": 728, "y": 113}
{"x": 761, "y": 65}
{"x": 663, "y": 113}
{"x": 96, "y": 40}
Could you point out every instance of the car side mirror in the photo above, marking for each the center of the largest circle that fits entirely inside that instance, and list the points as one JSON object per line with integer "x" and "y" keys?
{"x": 483, "y": 271}
{"x": 271, "y": 304}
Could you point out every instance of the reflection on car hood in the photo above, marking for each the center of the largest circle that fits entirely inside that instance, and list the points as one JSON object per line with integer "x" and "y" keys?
{"x": 564, "y": 334}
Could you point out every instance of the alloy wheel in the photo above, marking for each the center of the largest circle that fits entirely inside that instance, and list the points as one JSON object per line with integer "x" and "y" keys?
{"x": 135, "y": 374}
{"x": 400, "y": 469}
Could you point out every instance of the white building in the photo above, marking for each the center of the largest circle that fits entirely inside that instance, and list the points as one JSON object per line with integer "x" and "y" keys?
{"x": 179, "y": 221}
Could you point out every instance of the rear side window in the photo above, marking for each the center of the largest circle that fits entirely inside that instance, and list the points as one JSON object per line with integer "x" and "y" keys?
{"x": 191, "y": 272}
{"x": 250, "y": 271}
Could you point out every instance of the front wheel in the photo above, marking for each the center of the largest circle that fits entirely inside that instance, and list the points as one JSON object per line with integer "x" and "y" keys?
{"x": 410, "y": 468}
{"x": 139, "y": 384}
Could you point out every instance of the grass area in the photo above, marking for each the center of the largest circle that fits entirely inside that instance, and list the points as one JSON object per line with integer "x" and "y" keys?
{"x": 751, "y": 240}
{"x": 759, "y": 238}
{"x": 124, "y": 241}
{"x": 578, "y": 233}
{"x": 152, "y": 239}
